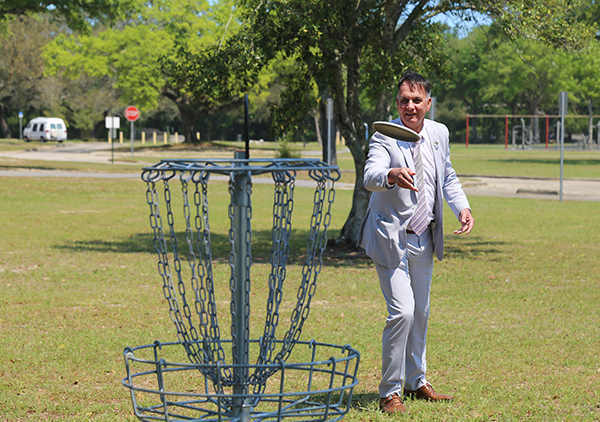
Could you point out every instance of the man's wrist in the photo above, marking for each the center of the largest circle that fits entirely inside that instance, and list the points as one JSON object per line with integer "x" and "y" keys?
{"x": 388, "y": 182}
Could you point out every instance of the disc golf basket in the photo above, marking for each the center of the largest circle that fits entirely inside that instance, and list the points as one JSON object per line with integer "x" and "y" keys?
{"x": 273, "y": 377}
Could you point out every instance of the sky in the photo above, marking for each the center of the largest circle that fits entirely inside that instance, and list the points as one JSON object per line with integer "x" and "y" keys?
{"x": 460, "y": 24}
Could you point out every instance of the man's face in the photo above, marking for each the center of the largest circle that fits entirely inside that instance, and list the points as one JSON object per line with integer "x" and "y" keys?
{"x": 412, "y": 103}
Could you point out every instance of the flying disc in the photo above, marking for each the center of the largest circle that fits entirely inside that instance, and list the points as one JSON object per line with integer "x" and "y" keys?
{"x": 396, "y": 131}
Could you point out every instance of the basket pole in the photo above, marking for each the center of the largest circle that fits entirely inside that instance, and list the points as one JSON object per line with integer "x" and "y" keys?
{"x": 241, "y": 273}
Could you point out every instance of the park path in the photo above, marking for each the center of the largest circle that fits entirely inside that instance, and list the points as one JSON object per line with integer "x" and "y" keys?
{"x": 474, "y": 185}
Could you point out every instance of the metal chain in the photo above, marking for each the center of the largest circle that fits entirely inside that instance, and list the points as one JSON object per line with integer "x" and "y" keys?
{"x": 182, "y": 328}
{"x": 189, "y": 339}
{"x": 191, "y": 261}
{"x": 280, "y": 234}
{"x": 205, "y": 295}
{"x": 315, "y": 245}
{"x": 161, "y": 248}
{"x": 312, "y": 266}
{"x": 199, "y": 266}
{"x": 203, "y": 344}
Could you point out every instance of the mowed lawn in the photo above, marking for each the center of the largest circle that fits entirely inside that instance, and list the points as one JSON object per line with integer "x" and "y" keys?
{"x": 515, "y": 320}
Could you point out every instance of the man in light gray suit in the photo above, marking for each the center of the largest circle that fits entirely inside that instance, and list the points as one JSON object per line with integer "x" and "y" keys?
{"x": 401, "y": 232}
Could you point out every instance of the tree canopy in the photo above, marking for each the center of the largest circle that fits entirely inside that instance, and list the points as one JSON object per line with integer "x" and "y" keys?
{"x": 354, "y": 50}
{"x": 77, "y": 13}
{"x": 131, "y": 54}
{"x": 20, "y": 63}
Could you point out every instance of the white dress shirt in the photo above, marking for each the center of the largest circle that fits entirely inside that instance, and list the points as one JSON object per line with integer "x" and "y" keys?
{"x": 429, "y": 172}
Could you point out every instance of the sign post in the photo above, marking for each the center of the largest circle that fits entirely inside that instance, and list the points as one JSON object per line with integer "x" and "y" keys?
{"x": 20, "y": 125}
{"x": 562, "y": 109}
{"x": 329, "y": 119}
{"x": 112, "y": 124}
{"x": 132, "y": 114}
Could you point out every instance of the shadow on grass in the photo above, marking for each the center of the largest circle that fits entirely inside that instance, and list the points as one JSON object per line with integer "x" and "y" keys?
{"x": 365, "y": 402}
{"x": 262, "y": 244}
{"x": 362, "y": 402}
{"x": 137, "y": 243}
{"x": 473, "y": 247}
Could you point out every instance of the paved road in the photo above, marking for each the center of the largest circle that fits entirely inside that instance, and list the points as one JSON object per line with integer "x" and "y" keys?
{"x": 573, "y": 189}
{"x": 93, "y": 152}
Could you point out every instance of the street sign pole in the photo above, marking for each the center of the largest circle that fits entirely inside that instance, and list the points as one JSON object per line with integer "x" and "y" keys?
{"x": 562, "y": 106}
{"x": 132, "y": 114}
{"x": 433, "y": 109}
{"x": 132, "y": 138}
{"x": 112, "y": 124}
{"x": 20, "y": 125}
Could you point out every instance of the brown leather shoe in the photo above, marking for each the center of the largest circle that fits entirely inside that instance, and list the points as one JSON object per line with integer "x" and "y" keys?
{"x": 427, "y": 392}
{"x": 391, "y": 404}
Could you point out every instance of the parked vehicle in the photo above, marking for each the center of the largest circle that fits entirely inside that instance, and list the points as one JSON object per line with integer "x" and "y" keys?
{"x": 45, "y": 129}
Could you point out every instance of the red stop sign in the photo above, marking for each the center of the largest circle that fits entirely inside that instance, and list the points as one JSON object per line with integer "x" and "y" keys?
{"x": 132, "y": 113}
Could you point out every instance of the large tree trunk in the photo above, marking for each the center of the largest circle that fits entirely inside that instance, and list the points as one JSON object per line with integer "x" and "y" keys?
{"x": 349, "y": 118}
{"x": 349, "y": 115}
{"x": 193, "y": 111}
{"x": 360, "y": 201}
{"x": 4, "y": 132}
{"x": 189, "y": 119}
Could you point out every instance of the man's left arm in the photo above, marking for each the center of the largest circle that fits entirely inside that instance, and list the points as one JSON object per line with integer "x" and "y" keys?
{"x": 455, "y": 195}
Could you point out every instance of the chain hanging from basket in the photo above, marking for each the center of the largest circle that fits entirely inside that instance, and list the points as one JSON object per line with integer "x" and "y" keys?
{"x": 192, "y": 302}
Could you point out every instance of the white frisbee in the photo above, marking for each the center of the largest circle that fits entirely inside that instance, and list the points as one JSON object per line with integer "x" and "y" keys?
{"x": 396, "y": 131}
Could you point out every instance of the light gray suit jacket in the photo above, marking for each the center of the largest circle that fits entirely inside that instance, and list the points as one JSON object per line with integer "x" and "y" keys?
{"x": 383, "y": 231}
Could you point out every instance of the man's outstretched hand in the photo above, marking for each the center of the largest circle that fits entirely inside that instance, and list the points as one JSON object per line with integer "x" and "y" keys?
{"x": 403, "y": 177}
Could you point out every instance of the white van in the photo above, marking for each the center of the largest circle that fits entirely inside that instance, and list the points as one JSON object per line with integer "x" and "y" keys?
{"x": 45, "y": 129}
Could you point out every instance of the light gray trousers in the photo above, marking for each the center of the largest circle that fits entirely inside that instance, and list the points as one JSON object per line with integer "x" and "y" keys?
{"x": 406, "y": 292}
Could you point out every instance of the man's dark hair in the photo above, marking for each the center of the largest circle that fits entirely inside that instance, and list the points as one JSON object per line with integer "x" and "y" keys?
{"x": 413, "y": 78}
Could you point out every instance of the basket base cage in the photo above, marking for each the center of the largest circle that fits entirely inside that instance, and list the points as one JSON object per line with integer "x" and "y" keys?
{"x": 319, "y": 388}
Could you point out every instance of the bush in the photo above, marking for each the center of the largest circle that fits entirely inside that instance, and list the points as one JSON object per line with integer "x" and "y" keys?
{"x": 285, "y": 150}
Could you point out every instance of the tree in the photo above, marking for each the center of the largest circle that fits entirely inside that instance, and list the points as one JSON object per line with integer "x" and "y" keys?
{"x": 522, "y": 77}
{"x": 83, "y": 103}
{"x": 23, "y": 86}
{"x": 587, "y": 81}
{"x": 21, "y": 65}
{"x": 499, "y": 77}
{"x": 466, "y": 58}
{"x": 132, "y": 54}
{"x": 77, "y": 13}
{"x": 353, "y": 49}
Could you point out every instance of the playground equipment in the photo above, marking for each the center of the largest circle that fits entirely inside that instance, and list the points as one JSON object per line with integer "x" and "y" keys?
{"x": 237, "y": 379}
{"x": 527, "y": 136}
{"x": 524, "y": 133}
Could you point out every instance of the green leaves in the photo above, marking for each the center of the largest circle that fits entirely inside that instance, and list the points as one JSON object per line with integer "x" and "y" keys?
{"x": 134, "y": 54}
{"x": 555, "y": 22}
{"x": 80, "y": 15}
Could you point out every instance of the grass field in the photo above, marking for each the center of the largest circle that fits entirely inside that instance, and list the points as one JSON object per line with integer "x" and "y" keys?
{"x": 514, "y": 329}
